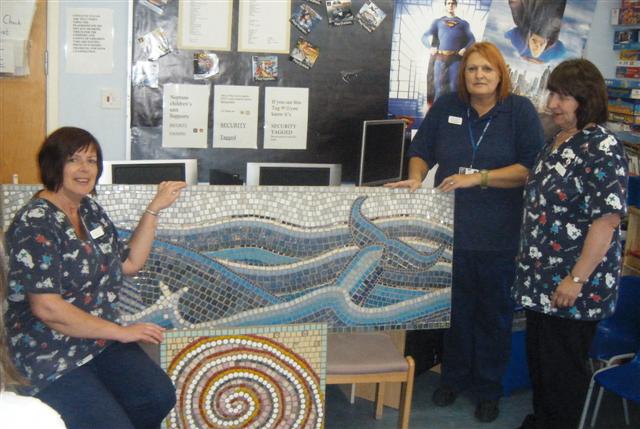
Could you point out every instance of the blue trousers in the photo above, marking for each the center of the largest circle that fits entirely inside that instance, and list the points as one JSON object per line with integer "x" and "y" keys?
{"x": 121, "y": 388}
{"x": 478, "y": 343}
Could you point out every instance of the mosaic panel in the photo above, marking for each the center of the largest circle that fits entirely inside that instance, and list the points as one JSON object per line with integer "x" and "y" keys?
{"x": 254, "y": 377}
{"x": 225, "y": 256}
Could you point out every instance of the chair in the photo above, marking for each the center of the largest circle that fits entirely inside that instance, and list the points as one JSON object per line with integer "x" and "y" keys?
{"x": 371, "y": 358}
{"x": 623, "y": 380}
{"x": 620, "y": 333}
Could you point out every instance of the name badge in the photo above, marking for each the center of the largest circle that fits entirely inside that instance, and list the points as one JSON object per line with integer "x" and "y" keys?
{"x": 456, "y": 120}
{"x": 97, "y": 232}
{"x": 560, "y": 169}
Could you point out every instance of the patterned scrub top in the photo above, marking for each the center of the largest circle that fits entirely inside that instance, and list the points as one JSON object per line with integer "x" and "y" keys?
{"x": 568, "y": 189}
{"x": 46, "y": 256}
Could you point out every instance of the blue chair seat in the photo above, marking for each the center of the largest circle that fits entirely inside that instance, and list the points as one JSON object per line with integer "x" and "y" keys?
{"x": 620, "y": 333}
{"x": 623, "y": 380}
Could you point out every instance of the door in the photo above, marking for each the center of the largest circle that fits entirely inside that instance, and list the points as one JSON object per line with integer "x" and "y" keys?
{"x": 22, "y": 109}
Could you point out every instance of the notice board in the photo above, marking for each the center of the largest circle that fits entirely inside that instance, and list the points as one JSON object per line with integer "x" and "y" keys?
{"x": 348, "y": 83}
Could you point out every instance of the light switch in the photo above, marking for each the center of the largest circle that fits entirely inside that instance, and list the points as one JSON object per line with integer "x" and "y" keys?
{"x": 110, "y": 99}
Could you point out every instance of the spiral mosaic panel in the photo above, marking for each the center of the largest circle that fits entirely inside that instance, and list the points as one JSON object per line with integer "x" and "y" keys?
{"x": 261, "y": 378}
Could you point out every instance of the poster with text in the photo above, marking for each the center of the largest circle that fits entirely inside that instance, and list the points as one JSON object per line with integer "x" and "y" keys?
{"x": 262, "y": 26}
{"x": 185, "y": 112}
{"x": 197, "y": 18}
{"x": 235, "y": 116}
{"x": 89, "y": 41}
{"x": 286, "y": 114}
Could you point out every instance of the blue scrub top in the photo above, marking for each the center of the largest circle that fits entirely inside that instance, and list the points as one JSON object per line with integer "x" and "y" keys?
{"x": 485, "y": 219}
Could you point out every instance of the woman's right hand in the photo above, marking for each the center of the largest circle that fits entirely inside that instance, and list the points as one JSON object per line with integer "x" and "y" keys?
{"x": 412, "y": 184}
{"x": 146, "y": 332}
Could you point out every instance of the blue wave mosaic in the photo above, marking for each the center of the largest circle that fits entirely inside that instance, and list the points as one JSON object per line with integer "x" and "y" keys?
{"x": 226, "y": 256}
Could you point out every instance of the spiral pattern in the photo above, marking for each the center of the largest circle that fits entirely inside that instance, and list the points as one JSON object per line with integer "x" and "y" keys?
{"x": 244, "y": 381}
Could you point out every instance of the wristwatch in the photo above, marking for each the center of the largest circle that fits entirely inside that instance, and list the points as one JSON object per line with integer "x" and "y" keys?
{"x": 484, "y": 179}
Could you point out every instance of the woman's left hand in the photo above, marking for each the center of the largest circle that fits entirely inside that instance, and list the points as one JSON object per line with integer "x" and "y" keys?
{"x": 167, "y": 194}
{"x": 566, "y": 293}
{"x": 458, "y": 181}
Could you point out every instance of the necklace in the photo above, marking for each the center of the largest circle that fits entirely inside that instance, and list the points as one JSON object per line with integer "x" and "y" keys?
{"x": 563, "y": 136}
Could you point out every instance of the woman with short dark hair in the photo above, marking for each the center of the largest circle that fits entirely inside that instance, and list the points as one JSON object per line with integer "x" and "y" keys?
{"x": 66, "y": 264}
{"x": 570, "y": 253}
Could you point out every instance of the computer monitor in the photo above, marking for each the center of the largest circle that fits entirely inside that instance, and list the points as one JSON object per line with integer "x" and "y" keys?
{"x": 382, "y": 152}
{"x": 149, "y": 171}
{"x": 293, "y": 174}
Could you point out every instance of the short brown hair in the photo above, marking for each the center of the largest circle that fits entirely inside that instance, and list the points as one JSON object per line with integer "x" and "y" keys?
{"x": 56, "y": 150}
{"x": 582, "y": 80}
{"x": 491, "y": 53}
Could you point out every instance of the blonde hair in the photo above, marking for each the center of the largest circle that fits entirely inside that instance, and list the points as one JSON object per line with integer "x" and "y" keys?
{"x": 9, "y": 375}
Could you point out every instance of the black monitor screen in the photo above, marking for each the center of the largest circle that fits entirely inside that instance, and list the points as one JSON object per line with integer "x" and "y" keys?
{"x": 382, "y": 153}
{"x": 294, "y": 176}
{"x": 146, "y": 174}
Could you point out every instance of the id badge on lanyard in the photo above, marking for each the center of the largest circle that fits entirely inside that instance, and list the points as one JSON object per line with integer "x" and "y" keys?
{"x": 474, "y": 144}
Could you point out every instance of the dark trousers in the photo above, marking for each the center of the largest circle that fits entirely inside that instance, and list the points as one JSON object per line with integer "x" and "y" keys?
{"x": 478, "y": 343}
{"x": 557, "y": 354}
{"x": 120, "y": 388}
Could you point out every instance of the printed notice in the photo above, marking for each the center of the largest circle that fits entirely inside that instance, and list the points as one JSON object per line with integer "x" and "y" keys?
{"x": 7, "y": 56}
{"x": 17, "y": 17}
{"x": 286, "y": 113}
{"x": 185, "y": 109}
{"x": 263, "y": 26}
{"x": 89, "y": 41}
{"x": 197, "y": 18}
{"x": 235, "y": 116}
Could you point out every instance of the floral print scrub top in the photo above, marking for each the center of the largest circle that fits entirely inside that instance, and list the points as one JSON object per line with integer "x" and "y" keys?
{"x": 46, "y": 256}
{"x": 569, "y": 188}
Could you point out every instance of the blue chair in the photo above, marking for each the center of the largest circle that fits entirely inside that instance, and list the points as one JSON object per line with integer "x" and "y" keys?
{"x": 620, "y": 333}
{"x": 623, "y": 380}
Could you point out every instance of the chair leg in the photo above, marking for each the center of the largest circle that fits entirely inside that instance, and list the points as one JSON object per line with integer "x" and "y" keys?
{"x": 587, "y": 403}
{"x": 597, "y": 409}
{"x": 406, "y": 396}
{"x": 626, "y": 411}
{"x": 379, "y": 404}
{"x": 352, "y": 394}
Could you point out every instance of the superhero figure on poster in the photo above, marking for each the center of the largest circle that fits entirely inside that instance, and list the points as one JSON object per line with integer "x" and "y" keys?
{"x": 448, "y": 37}
{"x": 538, "y": 24}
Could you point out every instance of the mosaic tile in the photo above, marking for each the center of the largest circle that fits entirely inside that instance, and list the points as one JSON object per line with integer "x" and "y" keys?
{"x": 254, "y": 377}
{"x": 224, "y": 256}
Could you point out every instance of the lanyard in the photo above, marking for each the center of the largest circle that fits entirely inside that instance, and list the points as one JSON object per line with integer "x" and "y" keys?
{"x": 475, "y": 145}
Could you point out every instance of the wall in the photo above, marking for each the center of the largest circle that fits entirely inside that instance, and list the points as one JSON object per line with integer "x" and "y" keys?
{"x": 79, "y": 95}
